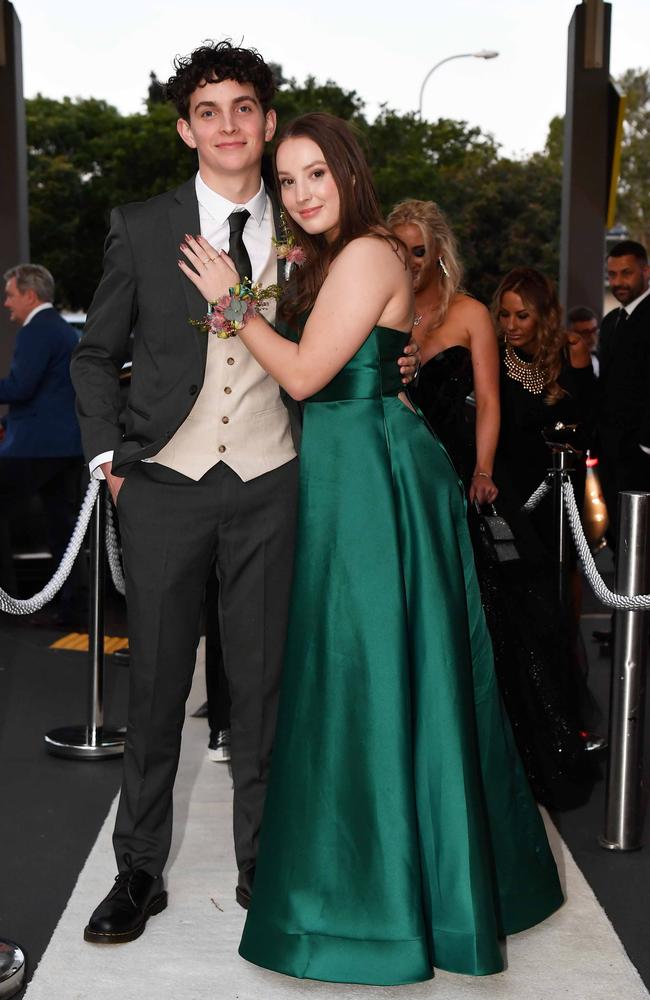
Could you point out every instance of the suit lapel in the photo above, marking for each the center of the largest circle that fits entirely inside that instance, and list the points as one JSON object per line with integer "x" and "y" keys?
{"x": 277, "y": 223}
{"x": 184, "y": 218}
{"x": 641, "y": 315}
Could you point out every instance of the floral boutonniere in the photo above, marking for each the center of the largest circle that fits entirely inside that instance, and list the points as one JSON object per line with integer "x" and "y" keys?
{"x": 229, "y": 314}
{"x": 287, "y": 249}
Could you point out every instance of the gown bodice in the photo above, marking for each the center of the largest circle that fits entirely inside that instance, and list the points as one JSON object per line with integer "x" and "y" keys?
{"x": 371, "y": 373}
{"x": 443, "y": 386}
{"x": 445, "y": 381}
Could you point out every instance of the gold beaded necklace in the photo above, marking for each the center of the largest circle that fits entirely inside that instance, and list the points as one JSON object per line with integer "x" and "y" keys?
{"x": 530, "y": 375}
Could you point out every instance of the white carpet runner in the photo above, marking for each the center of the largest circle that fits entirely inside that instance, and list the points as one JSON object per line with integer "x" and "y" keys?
{"x": 189, "y": 952}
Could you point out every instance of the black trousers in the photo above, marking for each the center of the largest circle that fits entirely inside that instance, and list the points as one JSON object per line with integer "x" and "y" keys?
{"x": 172, "y": 530}
{"x": 216, "y": 682}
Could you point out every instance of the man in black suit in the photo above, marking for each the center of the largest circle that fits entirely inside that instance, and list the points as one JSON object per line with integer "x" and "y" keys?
{"x": 624, "y": 383}
{"x": 204, "y": 470}
{"x": 40, "y": 449}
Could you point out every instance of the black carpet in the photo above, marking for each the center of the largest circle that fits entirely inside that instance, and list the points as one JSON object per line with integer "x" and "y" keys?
{"x": 52, "y": 808}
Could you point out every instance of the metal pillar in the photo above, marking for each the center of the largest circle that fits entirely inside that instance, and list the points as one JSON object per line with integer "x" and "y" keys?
{"x": 622, "y": 830}
{"x": 12, "y": 969}
{"x": 92, "y": 741}
{"x": 585, "y": 182}
{"x": 14, "y": 231}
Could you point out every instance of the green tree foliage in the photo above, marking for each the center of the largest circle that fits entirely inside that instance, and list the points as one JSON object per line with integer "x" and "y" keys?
{"x": 555, "y": 140}
{"x": 85, "y": 157}
{"x": 503, "y": 212}
{"x": 419, "y": 159}
{"x": 634, "y": 184}
{"x": 633, "y": 205}
{"x": 510, "y": 218}
{"x": 293, "y": 99}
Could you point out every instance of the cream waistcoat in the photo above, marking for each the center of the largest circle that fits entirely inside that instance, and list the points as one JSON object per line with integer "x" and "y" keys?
{"x": 238, "y": 417}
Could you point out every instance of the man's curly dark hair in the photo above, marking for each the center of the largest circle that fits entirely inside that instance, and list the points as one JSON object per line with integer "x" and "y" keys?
{"x": 213, "y": 62}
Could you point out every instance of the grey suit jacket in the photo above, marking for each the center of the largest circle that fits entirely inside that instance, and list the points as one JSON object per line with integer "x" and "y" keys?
{"x": 143, "y": 292}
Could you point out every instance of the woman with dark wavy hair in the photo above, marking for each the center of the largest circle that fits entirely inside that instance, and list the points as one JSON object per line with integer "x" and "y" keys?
{"x": 399, "y": 831}
{"x": 546, "y": 381}
{"x": 546, "y": 378}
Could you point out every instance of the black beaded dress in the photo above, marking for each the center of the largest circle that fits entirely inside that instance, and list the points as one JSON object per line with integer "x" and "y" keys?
{"x": 542, "y": 685}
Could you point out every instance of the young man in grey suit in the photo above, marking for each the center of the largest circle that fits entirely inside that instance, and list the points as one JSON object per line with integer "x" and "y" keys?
{"x": 204, "y": 468}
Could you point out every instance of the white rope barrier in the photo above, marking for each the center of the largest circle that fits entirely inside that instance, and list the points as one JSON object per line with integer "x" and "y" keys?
{"x": 537, "y": 496}
{"x": 607, "y": 597}
{"x": 29, "y": 605}
{"x": 113, "y": 552}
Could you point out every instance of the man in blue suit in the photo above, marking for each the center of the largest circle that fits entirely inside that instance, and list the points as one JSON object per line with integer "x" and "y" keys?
{"x": 40, "y": 450}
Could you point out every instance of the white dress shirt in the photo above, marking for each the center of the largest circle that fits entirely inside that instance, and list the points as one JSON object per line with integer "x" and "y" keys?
{"x": 214, "y": 210}
{"x": 631, "y": 306}
{"x": 37, "y": 309}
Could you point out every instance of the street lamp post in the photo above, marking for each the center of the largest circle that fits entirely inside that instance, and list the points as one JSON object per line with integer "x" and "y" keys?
{"x": 483, "y": 54}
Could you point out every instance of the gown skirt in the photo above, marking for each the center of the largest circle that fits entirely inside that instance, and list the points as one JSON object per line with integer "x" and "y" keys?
{"x": 399, "y": 830}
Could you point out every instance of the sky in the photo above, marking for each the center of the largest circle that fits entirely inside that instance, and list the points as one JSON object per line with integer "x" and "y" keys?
{"x": 381, "y": 50}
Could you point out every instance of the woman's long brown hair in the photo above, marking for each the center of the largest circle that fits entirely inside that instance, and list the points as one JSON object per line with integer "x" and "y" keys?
{"x": 539, "y": 295}
{"x": 360, "y": 213}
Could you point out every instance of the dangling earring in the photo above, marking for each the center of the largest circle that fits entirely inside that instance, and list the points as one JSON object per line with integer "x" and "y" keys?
{"x": 443, "y": 268}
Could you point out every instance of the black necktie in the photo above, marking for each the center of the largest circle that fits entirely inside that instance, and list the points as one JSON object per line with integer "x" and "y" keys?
{"x": 622, "y": 318}
{"x": 236, "y": 249}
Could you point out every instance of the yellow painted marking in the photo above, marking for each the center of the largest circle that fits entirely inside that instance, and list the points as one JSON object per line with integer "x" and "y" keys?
{"x": 79, "y": 641}
{"x": 616, "y": 160}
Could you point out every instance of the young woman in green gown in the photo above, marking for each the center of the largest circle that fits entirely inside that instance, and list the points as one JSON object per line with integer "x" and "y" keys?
{"x": 399, "y": 830}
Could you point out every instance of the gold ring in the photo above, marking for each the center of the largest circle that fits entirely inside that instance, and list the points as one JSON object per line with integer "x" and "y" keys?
{"x": 211, "y": 259}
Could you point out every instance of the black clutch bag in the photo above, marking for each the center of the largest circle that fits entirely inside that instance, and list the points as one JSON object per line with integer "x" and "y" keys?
{"x": 496, "y": 535}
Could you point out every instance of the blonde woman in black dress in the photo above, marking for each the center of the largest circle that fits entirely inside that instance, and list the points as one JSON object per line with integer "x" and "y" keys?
{"x": 458, "y": 348}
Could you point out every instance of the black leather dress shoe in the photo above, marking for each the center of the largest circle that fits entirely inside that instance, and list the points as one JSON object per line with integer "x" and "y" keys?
{"x": 244, "y": 889}
{"x": 123, "y": 914}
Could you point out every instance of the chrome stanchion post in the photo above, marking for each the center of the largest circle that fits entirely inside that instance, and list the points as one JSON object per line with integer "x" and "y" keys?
{"x": 12, "y": 969}
{"x": 622, "y": 830}
{"x": 96, "y": 619}
{"x": 562, "y": 465}
{"x": 92, "y": 741}
{"x": 563, "y": 440}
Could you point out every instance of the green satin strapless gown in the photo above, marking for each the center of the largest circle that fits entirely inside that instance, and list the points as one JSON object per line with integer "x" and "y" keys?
{"x": 399, "y": 831}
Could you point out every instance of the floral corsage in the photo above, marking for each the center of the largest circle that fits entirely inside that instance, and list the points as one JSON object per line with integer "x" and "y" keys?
{"x": 231, "y": 312}
{"x": 287, "y": 249}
